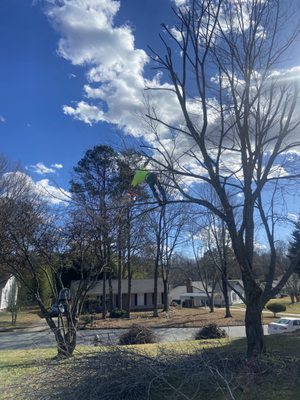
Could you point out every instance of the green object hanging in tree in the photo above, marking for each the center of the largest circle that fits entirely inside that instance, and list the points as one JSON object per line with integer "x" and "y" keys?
{"x": 140, "y": 176}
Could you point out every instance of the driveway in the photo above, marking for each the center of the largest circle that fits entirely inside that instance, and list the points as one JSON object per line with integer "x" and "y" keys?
{"x": 45, "y": 338}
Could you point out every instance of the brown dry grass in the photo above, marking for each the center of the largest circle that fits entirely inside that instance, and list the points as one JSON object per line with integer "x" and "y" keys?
{"x": 25, "y": 318}
{"x": 176, "y": 318}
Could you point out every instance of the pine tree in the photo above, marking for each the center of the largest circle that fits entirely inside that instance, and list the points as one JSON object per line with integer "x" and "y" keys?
{"x": 295, "y": 244}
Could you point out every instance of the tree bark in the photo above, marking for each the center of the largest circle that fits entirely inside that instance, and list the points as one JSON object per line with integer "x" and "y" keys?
{"x": 129, "y": 261}
{"x": 254, "y": 329}
{"x": 226, "y": 298}
{"x": 120, "y": 268}
{"x": 166, "y": 297}
{"x": 104, "y": 295}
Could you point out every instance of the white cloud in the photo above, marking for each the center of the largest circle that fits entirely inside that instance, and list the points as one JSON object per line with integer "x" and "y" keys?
{"x": 52, "y": 194}
{"x": 19, "y": 181}
{"x": 115, "y": 88}
{"x": 293, "y": 217}
{"x": 260, "y": 247}
{"x": 85, "y": 112}
{"x": 180, "y": 3}
{"x": 57, "y": 166}
{"x": 41, "y": 169}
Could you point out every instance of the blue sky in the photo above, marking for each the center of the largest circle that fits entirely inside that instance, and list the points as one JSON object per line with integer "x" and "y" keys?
{"x": 36, "y": 82}
{"x": 72, "y": 75}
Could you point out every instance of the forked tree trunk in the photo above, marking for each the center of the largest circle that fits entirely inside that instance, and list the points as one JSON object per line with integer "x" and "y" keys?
{"x": 66, "y": 343}
{"x": 65, "y": 335}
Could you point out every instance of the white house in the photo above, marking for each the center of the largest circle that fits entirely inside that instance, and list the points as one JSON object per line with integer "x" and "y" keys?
{"x": 235, "y": 287}
{"x": 193, "y": 294}
{"x": 8, "y": 291}
{"x": 142, "y": 294}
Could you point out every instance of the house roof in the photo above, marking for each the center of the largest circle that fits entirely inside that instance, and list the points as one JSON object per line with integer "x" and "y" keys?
{"x": 236, "y": 282}
{"x": 4, "y": 277}
{"x": 137, "y": 286}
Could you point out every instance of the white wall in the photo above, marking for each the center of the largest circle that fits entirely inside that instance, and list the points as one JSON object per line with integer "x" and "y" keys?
{"x": 9, "y": 293}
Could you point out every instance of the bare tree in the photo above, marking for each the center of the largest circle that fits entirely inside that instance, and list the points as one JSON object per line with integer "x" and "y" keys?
{"x": 173, "y": 225}
{"x": 219, "y": 246}
{"x": 206, "y": 270}
{"x": 39, "y": 242}
{"x": 239, "y": 122}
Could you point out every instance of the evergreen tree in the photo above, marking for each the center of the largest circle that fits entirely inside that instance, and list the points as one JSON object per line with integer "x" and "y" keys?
{"x": 295, "y": 244}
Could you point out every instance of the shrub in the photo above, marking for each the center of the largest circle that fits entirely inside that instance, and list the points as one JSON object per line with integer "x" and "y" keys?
{"x": 276, "y": 308}
{"x": 138, "y": 334}
{"x": 210, "y": 331}
{"x": 87, "y": 319}
{"x": 117, "y": 313}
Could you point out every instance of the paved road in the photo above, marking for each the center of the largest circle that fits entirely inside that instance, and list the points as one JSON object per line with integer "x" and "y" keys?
{"x": 45, "y": 338}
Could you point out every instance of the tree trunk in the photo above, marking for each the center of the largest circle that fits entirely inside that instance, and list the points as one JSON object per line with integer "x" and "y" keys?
{"x": 111, "y": 295}
{"x": 104, "y": 295}
{"x": 226, "y": 298}
{"x": 66, "y": 343}
{"x": 211, "y": 304}
{"x": 155, "y": 311}
{"x": 254, "y": 329}
{"x": 120, "y": 268}
{"x": 166, "y": 297}
{"x": 65, "y": 334}
{"x": 128, "y": 245}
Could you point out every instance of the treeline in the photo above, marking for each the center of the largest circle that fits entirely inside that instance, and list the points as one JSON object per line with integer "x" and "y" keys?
{"x": 106, "y": 230}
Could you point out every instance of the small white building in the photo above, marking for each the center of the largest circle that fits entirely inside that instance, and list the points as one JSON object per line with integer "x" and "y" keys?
{"x": 8, "y": 291}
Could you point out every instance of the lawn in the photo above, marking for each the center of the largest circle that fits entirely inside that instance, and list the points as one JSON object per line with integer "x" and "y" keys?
{"x": 177, "y": 317}
{"x": 26, "y": 317}
{"x": 19, "y": 366}
{"x": 293, "y": 308}
{"x": 35, "y": 374}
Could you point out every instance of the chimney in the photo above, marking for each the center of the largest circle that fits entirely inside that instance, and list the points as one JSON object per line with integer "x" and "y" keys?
{"x": 189, "y": 285}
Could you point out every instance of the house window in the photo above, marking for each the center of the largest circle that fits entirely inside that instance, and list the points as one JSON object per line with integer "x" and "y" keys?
{"x": 152, "y": 298}
{"x": 140, "y": 299}
{"x": 162, "y": 298}
{"x": 135, "y": 299}
{"x": 145, "y": 299}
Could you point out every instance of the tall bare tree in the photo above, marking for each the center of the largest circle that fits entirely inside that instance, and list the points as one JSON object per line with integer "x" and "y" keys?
{"x": 239, "y": 121}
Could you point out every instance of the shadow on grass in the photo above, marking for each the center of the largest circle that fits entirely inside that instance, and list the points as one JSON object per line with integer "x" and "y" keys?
{"x": 129, "y": 373}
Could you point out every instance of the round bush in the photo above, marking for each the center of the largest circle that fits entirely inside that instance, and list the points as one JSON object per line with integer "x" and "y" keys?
{"x": 138, "y": 334}
{"x": 117, "y": 313}
{"x": 276, "y": 308}
{"x": 210, "y": 331}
